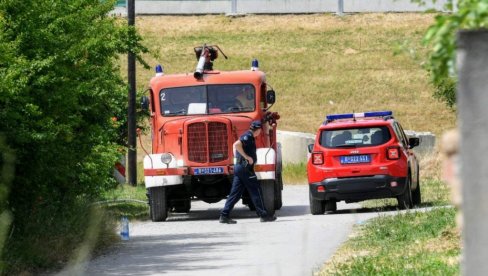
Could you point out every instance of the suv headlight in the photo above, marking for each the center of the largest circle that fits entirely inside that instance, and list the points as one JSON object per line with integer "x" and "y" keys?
{"x": 166, "y": 158}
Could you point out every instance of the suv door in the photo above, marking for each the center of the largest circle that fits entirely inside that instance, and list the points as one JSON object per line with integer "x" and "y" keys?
{"x": 412, "y": 159}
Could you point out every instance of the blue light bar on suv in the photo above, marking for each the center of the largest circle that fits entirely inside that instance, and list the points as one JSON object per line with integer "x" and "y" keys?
{"x": 332, "y": 117}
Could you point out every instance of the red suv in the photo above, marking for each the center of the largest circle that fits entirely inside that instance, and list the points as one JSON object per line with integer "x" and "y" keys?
{"x": 360, "y": 156}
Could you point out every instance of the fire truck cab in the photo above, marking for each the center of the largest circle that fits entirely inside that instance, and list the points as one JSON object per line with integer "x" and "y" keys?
{"x": 195, "y": 119}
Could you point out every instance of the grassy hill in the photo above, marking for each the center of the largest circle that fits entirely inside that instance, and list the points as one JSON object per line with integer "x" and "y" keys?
{"x": 318, "y": 64}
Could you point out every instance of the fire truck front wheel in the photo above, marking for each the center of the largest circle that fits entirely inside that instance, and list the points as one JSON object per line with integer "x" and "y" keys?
{"x": 158, "y": 204}
{"x": 268, "y": 188}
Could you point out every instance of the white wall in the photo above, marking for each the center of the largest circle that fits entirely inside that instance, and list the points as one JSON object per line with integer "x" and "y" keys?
{"x": 276, "y": 6}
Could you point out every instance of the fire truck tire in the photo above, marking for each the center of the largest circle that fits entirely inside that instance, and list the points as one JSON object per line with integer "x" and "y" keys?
{"x": 267, "y": 186}
{"x": 184, "y": 206}
{"x": 278, "y": 186}
{"x": 251, "y": 206}
{"x": 158, "y": 208}
{"x": 405, "y": 199}
{"x": 317, "y": 207}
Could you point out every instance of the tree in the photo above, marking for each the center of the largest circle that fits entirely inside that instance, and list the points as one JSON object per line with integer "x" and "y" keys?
{"x": 470, "y": 14}
{"x": 60, "y": 87}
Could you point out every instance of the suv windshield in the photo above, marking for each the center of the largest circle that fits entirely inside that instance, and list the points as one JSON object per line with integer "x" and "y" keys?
{"x": 207, "y": 99}
{"x": 355, "y": 137}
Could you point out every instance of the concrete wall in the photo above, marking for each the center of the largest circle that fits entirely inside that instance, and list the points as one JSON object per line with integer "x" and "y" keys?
{"x": 294, "y": 144}
{"x": 275, "y": 6}
{"x": 427, "y": 141}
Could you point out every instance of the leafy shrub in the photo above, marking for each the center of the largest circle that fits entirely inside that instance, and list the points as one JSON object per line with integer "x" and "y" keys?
{"x": 60, "y": 89}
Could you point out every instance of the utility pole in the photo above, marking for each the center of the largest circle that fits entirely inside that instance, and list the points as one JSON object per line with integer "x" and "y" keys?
{"x": 472, "y": 60}
{"x": 131, "y": 67}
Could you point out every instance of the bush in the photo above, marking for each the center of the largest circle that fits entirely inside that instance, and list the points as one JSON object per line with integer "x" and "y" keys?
{"x": 59, "y": 92}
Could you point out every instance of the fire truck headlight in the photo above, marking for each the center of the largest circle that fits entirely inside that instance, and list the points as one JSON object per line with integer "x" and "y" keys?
{"x": 180, "y": 163}
{"x": 166, "y": 158}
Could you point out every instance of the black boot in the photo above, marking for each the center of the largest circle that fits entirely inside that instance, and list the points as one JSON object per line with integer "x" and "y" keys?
{"x": 227, "y": 220}
{"x": 267, "y": 218}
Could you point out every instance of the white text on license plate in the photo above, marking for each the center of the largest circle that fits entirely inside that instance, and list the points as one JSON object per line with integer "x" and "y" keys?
{"x": 353, "y": 159}
{"x": 211, "y": 170}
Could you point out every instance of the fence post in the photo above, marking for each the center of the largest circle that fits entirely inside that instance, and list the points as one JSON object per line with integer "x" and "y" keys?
{"x": 233, "y": 6}
{"x": 472, "y": 60}
{"x": 340, "y": 7}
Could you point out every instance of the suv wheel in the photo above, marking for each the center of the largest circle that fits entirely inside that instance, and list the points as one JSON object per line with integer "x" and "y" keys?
{"x": 317, "y": 207}
{"x": 158, "y": 204}
{"x": 330, "y": 206}
{"x": 416, "y": 195}
{"x": 405, "y": 199}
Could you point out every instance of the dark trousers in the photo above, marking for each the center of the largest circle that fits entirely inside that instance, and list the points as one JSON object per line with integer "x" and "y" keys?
{"x": 244, "y": 178}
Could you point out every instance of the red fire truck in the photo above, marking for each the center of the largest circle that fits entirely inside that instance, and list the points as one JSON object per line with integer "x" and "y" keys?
{"x": 195, "y": 119}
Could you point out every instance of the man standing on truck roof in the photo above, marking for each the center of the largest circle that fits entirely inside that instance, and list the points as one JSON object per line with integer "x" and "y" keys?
{"x": 244, "y": 176}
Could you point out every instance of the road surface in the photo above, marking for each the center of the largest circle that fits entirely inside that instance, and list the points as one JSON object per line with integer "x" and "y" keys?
{"x": 297, "y": 243}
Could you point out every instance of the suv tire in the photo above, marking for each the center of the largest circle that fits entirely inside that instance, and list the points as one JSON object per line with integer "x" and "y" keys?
{"x": 158, "y": 204}
{"x": 405, "y": 199}
{"x": 416, "y": 195}
{"x": 317, "y": 207}
{"x": 330, "y": 205}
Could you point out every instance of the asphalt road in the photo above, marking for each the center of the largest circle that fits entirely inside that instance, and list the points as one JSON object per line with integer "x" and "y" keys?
{"x": 297, "y": 243}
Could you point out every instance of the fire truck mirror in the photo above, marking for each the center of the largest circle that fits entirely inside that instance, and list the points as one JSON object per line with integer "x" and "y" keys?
{"x": 270, "y": 97}
{"x": 145, "y": 103}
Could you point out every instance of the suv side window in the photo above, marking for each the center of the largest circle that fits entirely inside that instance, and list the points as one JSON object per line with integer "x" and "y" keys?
{"x": 400, "y": 134}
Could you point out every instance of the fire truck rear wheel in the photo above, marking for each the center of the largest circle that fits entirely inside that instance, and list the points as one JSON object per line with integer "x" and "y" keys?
{"x": 267, "y": 186}
{"x": 278, "y": 186}
{"x": 158, "y": 204}
{"x": 251, "y": 205}
{"x": 184, "y": 206}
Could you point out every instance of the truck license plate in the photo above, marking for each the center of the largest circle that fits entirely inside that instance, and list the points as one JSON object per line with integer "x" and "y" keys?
{"x": 210, "y": 170}
{"x": 354, "y": 159}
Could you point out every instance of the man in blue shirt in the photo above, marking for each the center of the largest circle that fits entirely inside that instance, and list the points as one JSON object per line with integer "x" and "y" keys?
{"x": 244, "y": 176}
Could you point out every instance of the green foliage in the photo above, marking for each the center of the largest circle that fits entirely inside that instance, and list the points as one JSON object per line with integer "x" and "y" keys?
{"x": 470, "y": 14}
{"x": 60, "y": 89}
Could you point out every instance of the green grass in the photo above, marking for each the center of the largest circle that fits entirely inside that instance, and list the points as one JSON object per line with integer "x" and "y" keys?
{"x": 434, "y": 193}
{"x": 127, "y": 201}
{"x": 295, "y": 173}
{"x": 414, "y": 243}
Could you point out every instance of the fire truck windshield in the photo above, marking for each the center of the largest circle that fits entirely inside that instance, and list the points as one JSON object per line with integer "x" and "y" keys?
{"x": 207, "y": 99}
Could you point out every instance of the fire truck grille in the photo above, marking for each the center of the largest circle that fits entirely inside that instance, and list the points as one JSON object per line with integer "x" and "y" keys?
{"x": 217, "y": 142}
{"x": 197, "y": 143}
{"x": 207, "y": 142}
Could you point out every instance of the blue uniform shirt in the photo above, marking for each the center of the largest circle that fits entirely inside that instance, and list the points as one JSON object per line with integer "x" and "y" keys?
{"x": 249, "y": 146}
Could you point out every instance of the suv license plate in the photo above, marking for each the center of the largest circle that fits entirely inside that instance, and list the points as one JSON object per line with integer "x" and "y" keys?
{"x": 354, "y": 159}
{"x": 210, "y": 170}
